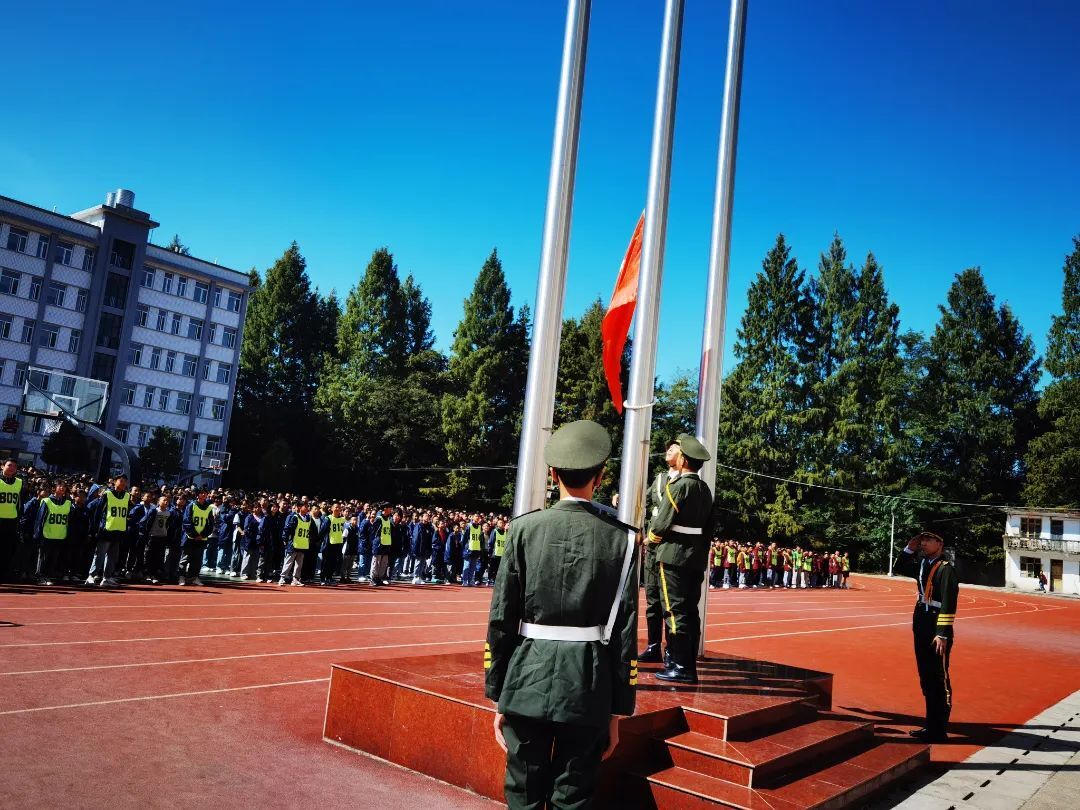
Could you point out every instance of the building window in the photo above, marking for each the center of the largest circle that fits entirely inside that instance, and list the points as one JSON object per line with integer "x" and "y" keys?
{"x": 16, "y": 239}
{"x": 217, "y": 297}
{"x": 162, "y": 319}
{"x": 116, "y": 290}
{"x": 57, "y": 294}
{"x": 202, "y": 290}
{"x": 64, "y": 251}
{"x": 183, "y": 403}
{"x": 20, "y": 374}
{"x": 129, "y": 393}
{"x": 9, "y": 282}
{"x": 5, "y": 327}
{"x": 211, "y": 336}
{"x": 144, "y": 434}
{"x": 28, "y": 330}
{"x": 206, "y": 369}
{"x": 170, "y": 362}
{"x": 177, "y": 320}
{"x": 122, "y": 431}
{"x": 80, "y": 300}
{"x": 49, "y": 336}
{"x": 123, "y": 254}
{"x": 224, "y": 373}
{"x": 148, "y": 397}
{"x": 213, "y": 444}
{"x": 167, "y": 282}
{"x": 1030, "y": 566}
{"x": 190, "y": 362}
{"x": 135, "y": 354}
{"x": 155, "y": 358}
{"x": 109, "y": 327}
{"x": 35, "y": 288}
{"x": 103, "y": 367}
{"x": 1030, "y": 526}
{"x": 163, "y": 400}
{"x": 218, "y": 409}
{"x": 43, "y": 247}
{"x": 196, "y": 440}
{"x": 204, "y": 407}
{"x": 181, "y": 286}
{"x": 75, "y": 341}
{"x": 1057, "y": 528}
{"x": 234, "y": 301}
{"x": 88, "y": 260}
{"x": 228, "y": 338}
{"x": 148, "y": 277}
{"x": 194, "y": 329}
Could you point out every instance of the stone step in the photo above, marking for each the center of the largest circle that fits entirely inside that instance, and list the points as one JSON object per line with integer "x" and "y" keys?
{"x": 775, "y": 712}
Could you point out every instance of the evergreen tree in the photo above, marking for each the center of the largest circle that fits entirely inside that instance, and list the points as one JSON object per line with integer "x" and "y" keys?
{"x": 373, "y": 333}
{"x": 163, "y": 456}
{"x": 176, "y": 246}
{"x": 975, "y": 410}
{"x": 763, "y": 416}
{"x": 1054, "y": 457}
{"x": 481, "y": 410}
{"x": 66, "y": 448}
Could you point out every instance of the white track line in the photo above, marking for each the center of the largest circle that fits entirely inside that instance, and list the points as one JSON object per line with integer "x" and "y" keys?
{"x": 239, "y": 657}
{"x": 260, "y": 617}
{"x": 161, "y": 697}
{"x": 231, "y": 635}
{"x": 155, "y": 605}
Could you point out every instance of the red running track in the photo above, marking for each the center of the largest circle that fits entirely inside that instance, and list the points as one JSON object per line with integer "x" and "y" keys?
{"x": 167, "y": 697}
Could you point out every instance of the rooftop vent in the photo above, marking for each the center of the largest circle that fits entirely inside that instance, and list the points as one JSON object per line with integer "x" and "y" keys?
{"x": 125, "y": 197}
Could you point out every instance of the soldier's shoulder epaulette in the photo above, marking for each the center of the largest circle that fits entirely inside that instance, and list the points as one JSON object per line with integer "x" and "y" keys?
{"x": 523, "y": 514}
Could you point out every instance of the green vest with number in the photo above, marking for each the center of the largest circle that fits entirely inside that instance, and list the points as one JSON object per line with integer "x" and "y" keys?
{"x": 500, "y": 543}
{"x": 56, "y": 519}
{"x": 10, "y": 498}
{"x": 718, "y": 557}
{"x": 385, "y": 537}
{"x": 337, "y": 531}
{"x": 116, "y": 511}
{"x": 476, "y": 536}
{"x": 731, "y": 555}
{"x": 200, "y": 517}
{"x": 302, "y": 533}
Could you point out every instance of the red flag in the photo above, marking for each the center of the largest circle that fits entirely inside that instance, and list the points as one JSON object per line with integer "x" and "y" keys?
{"x": 620, "y": 313}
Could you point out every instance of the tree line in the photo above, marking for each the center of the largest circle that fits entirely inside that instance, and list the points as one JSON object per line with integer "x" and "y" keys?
{"x": 828, "y": 398}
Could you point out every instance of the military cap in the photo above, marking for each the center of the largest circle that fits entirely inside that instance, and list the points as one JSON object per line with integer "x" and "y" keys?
{"x": 581, "y": 445}
{"x": 692, "y": 448}
{"x": 929, "y": 536}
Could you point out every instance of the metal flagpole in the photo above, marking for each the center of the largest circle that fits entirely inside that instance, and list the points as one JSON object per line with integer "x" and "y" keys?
{"x": 536, "y": 425}
{"x": 638, "y": 424}
{"x": 712, "y": 339}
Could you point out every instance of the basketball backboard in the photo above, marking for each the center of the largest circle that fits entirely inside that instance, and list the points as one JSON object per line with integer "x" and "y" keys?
{"x": 215, "y": 461}
{"x": 50, "y": 393}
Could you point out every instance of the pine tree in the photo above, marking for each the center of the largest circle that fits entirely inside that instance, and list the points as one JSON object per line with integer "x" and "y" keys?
{"x": 481, "y": 410}
{"x": 373, "y": 335}
{"x": 975, "y": 410}
{"x": 176, "y": 246}
{"x": 1054, "y": 457}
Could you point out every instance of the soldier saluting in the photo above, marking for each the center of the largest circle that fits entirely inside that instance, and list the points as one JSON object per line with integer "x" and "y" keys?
{"x": 562, "y": 632}
{"x": 932, "y": 626}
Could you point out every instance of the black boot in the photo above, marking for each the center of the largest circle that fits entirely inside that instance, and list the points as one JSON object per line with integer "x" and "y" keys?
{"x": 679, "y": 671}
{"x": 651, "y": 654}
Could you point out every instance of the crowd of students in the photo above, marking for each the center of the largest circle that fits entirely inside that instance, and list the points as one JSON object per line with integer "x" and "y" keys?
{"x": 755, "y": 565}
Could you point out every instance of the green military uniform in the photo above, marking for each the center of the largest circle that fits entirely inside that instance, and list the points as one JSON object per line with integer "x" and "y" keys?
{"x": 654, "y": 606}
{"x": 561, "y": 648}
{"x": 681, "y": 532}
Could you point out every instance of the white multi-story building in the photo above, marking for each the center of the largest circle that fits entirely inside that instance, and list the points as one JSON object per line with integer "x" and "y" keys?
{"x": 1043, "y": 540}
{"x": 90, "y": 295}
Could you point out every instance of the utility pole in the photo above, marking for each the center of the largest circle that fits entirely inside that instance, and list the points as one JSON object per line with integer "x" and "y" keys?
{"x": 892, "y": 539}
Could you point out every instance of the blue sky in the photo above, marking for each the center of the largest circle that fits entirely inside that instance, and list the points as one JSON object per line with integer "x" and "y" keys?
{"x": 938, "y": 135}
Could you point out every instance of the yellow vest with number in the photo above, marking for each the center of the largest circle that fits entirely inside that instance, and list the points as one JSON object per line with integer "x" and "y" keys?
{"x": 200, "y": 516}
{"x": 718, "y": 557}
{"x": 731, "y": 556}
{"x": 301, "y": 533}
{"x": 500, "y": 543}
{"x": 116, "y": 511}
{"x": 475, "y": 538}
{"x": 56, "y": 519}
{"x": 337, "y": 531}
{"x": 385, "y": 538}
{"x": 10, "y": 498}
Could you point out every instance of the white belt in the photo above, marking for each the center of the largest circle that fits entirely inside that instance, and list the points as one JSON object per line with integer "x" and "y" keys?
{"x": 553, "y": 632}
{"x": 683, "y": 530}
{"x": 932, "y": 603}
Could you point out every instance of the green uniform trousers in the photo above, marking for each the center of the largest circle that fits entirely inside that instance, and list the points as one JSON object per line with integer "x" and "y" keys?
{"x": 680, "y": 588}
{"x": 551, "y": 764}
{"x": 654, "y": 605}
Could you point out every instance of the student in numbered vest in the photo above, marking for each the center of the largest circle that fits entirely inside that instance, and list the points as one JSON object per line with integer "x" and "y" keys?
{"x": 198, "y": 528}
{"x": 11, "y": 504}
{"x": 298, "y": 533}
{"x": 562, "y": 636}
{"x": 381, "y": 546}
{"x": 496, "y": 548}
{"x": 51, "y": 533}
{"x": 473, "y": 552}
{"x": 155, "y": 527}
{"x": 332, "y": 544}
{"x": 350, "y": 548}
{"x": 937, "y": 592}
{"x": 112, "y": 504}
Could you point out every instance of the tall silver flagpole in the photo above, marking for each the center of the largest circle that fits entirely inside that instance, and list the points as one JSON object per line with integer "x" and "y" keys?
{"x": 712, "y": 339}
{"x": 551, "y": 284}
{"x": 638, "y": 424}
